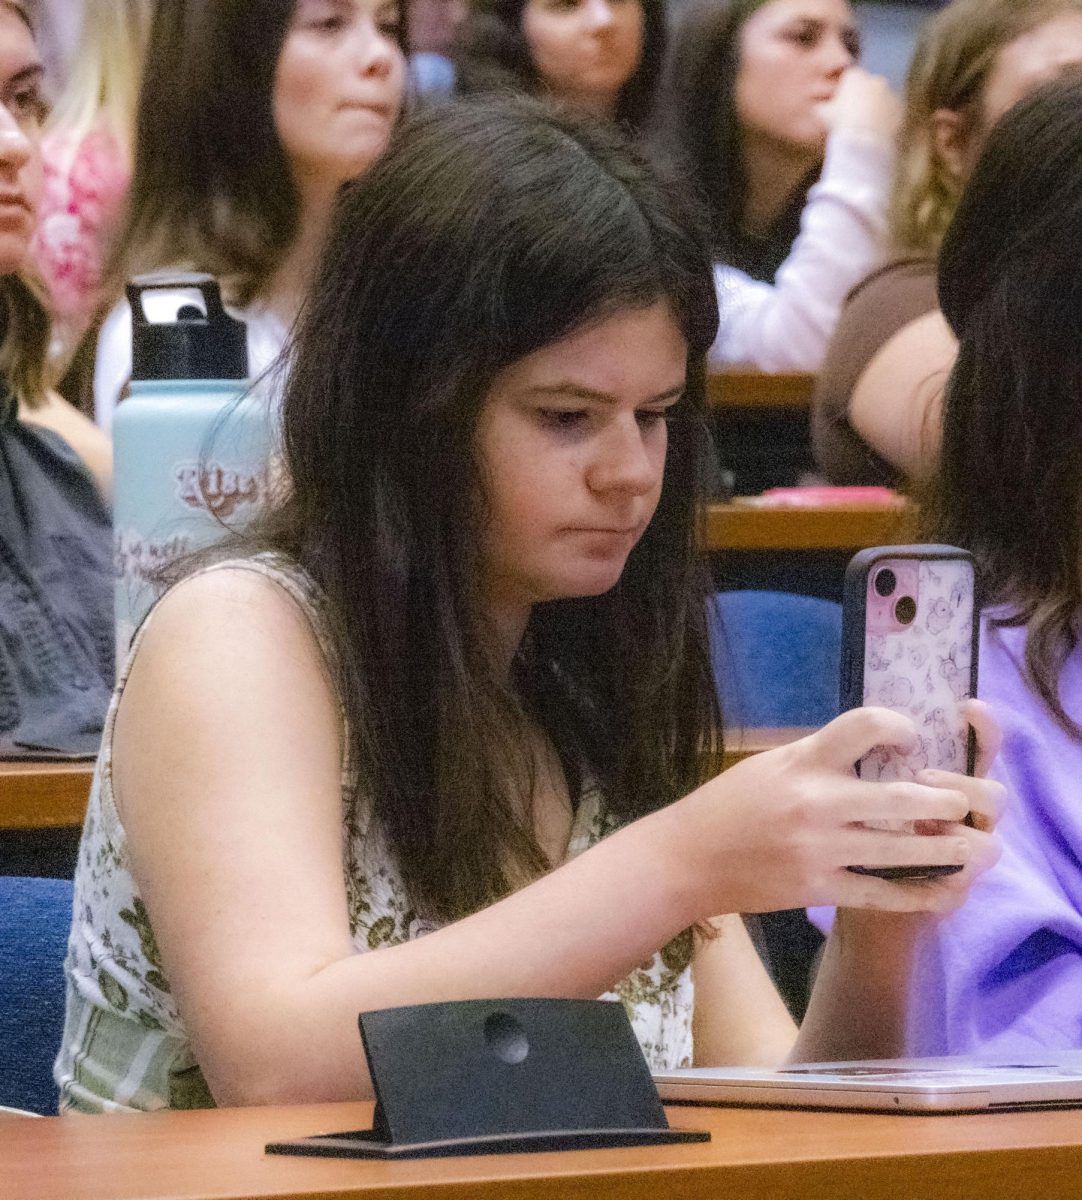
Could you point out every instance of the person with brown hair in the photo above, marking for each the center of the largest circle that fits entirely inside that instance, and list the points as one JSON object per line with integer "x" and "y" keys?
{"x": 444, "y": 726}
{"x": 1005, "y": 975}
{"x": 877, "y": 405}
{"x": 790, "y": 145}
{"x": 599, "y": 56}
{"x": 270, "y": 107}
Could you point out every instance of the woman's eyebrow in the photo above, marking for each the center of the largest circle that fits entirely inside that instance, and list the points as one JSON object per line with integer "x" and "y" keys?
{"x": 584, "y": 393}
{"x": 28, "y": 74}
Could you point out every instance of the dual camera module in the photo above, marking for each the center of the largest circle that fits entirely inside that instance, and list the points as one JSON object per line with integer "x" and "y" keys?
{"x": 905, "y": 607}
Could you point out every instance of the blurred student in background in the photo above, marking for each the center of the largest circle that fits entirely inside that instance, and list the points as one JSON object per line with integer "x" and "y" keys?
{"x": 271, "y": 106}
{"x": 56, "y": 609}
{"x": 601, "y": 56}
{"x": 877, "y": 406}
{"x": 87, "y": 151}
{"x": 1005, "y": 973}
{"x": 791, "y": 145}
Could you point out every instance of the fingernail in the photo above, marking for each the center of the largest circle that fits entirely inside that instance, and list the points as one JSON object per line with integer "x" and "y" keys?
{"x": 963, "y": 851}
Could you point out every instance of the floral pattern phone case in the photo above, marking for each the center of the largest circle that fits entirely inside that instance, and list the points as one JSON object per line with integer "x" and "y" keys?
{"x": 909, "y": 643}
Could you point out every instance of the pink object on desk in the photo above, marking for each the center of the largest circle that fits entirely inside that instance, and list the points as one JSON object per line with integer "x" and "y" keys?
{"x": 828, "y": 497}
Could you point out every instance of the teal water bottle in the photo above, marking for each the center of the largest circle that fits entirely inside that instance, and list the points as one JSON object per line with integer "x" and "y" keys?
{"x": 192, "y": 442}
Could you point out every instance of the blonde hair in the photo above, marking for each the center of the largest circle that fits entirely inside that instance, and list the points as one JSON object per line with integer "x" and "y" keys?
{"x": 102, "y": 91}
{"x": 955, "y": 55}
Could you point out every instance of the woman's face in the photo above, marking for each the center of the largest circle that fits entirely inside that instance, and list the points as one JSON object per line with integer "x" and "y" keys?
{"x": 792, "y": 55}
{"x": 584, "y": 51}
{"x": 573, "y": 440}
{"x": 338, "y": 88}
{"x": 22, "y": 110}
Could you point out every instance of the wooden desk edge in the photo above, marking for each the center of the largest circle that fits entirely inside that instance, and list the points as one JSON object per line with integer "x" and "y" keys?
{"x": 40, "y": 795}
{"x": 737, "y": 525}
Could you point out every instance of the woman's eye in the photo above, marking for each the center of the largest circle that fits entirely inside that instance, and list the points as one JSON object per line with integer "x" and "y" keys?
{"x": 28, "y": 105}
{"x": 648, "y": 418}
{"x": 805, "y": 35}
{"x": 559, "y": 418}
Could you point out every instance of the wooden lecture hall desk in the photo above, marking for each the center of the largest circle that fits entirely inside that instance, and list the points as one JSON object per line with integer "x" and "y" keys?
{"x": 754, "y": 1155}
{"x": 746, "y": 524}
{"x": 754, "y": 389}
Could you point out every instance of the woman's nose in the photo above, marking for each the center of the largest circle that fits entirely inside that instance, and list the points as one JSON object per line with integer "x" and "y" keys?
{"x": 599, "y": 13}
{"x": 838, "y": 55}
{"x": 15, "y": 148}
{"x": 376, "y": 52}
{"x": 626, "y": 462}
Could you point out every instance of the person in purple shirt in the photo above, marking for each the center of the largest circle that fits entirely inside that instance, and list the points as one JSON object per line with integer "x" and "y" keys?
{"x": 1004, "y": 974}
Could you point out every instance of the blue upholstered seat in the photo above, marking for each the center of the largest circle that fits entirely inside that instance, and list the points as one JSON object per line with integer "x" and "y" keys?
{"x": 35, "y": 915}
{"x": 776, "y": 658}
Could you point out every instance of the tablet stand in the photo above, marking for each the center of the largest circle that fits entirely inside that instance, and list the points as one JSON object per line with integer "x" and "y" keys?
{"x": 502, "y": 1076}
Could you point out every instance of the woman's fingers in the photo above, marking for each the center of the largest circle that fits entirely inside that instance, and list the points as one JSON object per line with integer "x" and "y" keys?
{"x": 900, "y": 848}
{"x": 938, "y": 894}
{"x": 852, "y": 735}
{"x": 986, "y": 727}
{"x": 985, "y": 797}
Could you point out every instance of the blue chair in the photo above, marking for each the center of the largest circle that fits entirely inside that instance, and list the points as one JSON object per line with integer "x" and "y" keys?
{"x": 35, "y": 916}
{"x": 776, "y": 658}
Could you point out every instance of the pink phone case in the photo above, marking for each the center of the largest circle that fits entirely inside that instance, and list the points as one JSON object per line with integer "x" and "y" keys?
{"x": 921, "y": 667}
{"x": 909, "y": 643}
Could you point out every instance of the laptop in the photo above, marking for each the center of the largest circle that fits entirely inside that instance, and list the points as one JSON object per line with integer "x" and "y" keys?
{"x": 916, "y": 1085}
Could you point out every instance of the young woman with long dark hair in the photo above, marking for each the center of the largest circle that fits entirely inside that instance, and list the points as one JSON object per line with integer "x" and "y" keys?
{"x": 271, "y": 105}
{"x": 600, "y": 56}
{"x": 445, "y": 727}
{"x": 1006, "y": 974}
{"x": 790, "y": 145}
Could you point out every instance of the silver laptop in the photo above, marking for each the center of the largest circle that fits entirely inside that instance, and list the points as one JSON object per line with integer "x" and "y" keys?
{"x": 890, "y": 1085}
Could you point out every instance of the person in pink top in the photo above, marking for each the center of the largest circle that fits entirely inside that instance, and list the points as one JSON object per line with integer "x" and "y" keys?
{"x": 87, "y": 159}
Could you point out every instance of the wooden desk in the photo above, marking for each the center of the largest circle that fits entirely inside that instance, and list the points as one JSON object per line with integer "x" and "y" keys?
{"x": 38, "y": 795}
{"x": 754, "y": 1155}
{"x": 743, "y": 743}
{"x": 741, "y": 524}
{"x": 754, "y": 389}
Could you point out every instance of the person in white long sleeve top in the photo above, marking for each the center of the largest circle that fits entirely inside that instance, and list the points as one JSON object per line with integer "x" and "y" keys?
{"x": 763, "y": 99}
{"x": 299, "y": 103}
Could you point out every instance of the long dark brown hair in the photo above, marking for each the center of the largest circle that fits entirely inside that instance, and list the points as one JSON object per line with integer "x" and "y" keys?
{"x": 488, "y": 230}
{"x": 211, "y": 186}
{"x": 492, "y": 55}
{"x": 698, "y": 132}
{"x": 1009, "y": 487}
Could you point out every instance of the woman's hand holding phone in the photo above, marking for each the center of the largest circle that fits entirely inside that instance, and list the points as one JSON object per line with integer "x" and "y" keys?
{"x": 781, "y": 829}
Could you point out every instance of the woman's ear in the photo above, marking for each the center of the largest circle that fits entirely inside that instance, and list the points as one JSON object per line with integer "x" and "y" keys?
{"x": 952, "y": 141}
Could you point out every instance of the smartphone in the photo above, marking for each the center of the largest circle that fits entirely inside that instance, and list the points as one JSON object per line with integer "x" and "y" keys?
{"x": 910, "y": 632}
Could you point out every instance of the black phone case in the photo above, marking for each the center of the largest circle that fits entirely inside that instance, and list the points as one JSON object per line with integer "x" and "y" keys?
{"x": 853, "y": 642}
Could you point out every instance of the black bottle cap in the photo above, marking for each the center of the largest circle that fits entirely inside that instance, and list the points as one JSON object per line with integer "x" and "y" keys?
{"x": 197, "y": 344}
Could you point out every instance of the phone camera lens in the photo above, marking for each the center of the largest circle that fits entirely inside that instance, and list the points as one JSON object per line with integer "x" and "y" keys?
{"x": 885, "y": 582}
{"x": 905, "y": 610}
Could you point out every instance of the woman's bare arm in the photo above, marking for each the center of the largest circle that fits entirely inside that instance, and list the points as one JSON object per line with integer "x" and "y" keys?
{"x": 896, "y": 405}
